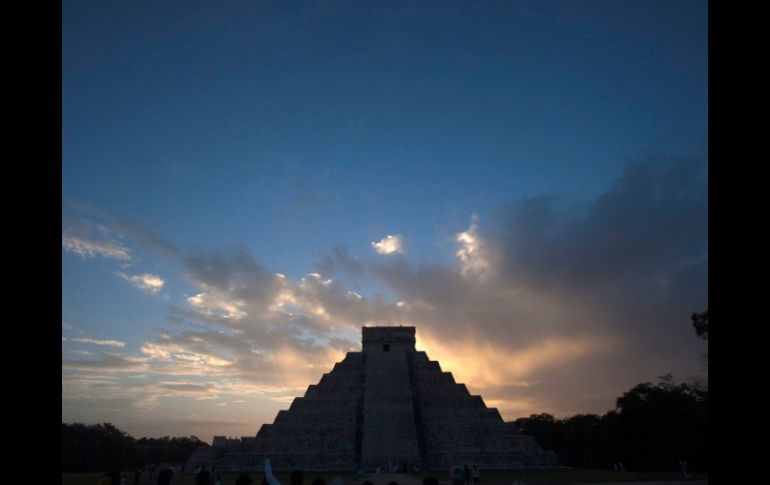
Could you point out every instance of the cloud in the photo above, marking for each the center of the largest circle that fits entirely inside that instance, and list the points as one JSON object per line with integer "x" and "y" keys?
{"x": 89, "y": 249}
{"x": 107, "y": 362}
{"x": 211, "y": 305}
{"x": 88, "y": 340}
{"x": 388, "y": 245}
{"x": 472, "y": 255}
{"x": 109, "y": 224}
{"x": 84, "y": 338}
{"x": 146, "y": 281}
{"x": 546, "y": 306}
{"x": 340, "y": 261}
{"x": 618, "y": 278}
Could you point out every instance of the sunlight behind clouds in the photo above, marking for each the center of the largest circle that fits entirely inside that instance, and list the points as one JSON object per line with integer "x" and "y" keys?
{"x": 388, "y": 245}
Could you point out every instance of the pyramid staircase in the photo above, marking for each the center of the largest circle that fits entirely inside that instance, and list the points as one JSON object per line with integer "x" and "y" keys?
{"x": 390, "y": 407}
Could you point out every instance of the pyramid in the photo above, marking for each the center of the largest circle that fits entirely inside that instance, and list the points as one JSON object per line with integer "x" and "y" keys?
{"x": 390, "y": 407}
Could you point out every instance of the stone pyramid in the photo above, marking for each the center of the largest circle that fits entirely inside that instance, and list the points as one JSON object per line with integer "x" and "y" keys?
{"x": 391, "y": 407}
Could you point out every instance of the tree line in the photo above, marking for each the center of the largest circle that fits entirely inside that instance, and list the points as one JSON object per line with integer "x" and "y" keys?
{"x": 652, "y": 428}
{"x": 101, "y": 447}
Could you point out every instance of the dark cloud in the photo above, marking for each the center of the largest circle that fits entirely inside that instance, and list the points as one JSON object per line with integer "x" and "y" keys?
{"x": 339, "y": 261}
{"x": 109, "y": 223}
{"x": 653, "y": 221}
{"x": 234, "y": 272}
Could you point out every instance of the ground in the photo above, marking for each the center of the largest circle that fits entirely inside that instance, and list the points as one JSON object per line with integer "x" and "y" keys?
{"x": 560, "y": 476}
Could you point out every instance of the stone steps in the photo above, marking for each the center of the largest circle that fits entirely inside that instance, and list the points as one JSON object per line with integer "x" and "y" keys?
{"x": 390, "y": 405}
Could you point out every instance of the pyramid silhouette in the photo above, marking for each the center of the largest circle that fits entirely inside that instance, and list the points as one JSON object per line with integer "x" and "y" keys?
{"x": 391, "y": 407}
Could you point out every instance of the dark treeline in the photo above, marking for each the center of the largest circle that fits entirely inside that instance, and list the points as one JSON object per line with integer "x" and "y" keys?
{"x": 652, "y": 428}
{"x": 101, "y": 447}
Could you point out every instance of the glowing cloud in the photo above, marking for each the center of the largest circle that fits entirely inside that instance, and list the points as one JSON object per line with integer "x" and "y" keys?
{"x": 472, "y": 254}
{"x": 147, "y": 281}
{"x": 214, "y": 305}
{"x": 89, "y": 340}
{"x": 388, "y": 245}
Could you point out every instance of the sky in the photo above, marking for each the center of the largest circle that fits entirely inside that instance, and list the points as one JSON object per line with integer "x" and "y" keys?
{"x": 247, "y": 184}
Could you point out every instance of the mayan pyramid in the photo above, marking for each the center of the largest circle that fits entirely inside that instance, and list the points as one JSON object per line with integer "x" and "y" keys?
{"x": 391, "y": 406}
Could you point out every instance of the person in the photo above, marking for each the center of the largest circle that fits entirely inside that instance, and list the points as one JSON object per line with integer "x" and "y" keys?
{"x": 203, "y": 478}
{"x": 457, "y": 475}
{"x": 164, "y": 477}
{"x": 430, "y": 480}
{"x": 476, "y": 474}
{"x": 318, "y": 481}
{"x": 112, "y": 478}
{"x": 271, "y": 480}
{"x": 217, "y": 479}
{"x": 467, "y": 475}
{"x": 296, "y": 478}
{"x": 243, "y": 479}
{"x": 137, "y": 476}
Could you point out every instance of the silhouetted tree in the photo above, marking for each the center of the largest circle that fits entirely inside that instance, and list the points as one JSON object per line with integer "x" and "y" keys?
{"x": 100, "y": 447}
{"x": 700, "y": 321}
{"x": 653, "y": 427}
{"x": 97, "y": 447}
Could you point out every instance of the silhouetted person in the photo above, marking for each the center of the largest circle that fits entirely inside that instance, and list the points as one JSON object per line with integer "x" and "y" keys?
{"x": 467, "y": 475}
{"x": 137, "y": 477}
{"x": 164, "y": 477}
{"x": 296, "y": 478}
{"x": 243, "y": 479}
{"x": 457, "y": 475}
{"x": 476, "y": 475}
{"x": 114, "y": 477}
{"x": 269, "y": 473}
{"x": 318, "y": 481}
{"x": 203, "y": 478}
{"x": 431, "y": 480}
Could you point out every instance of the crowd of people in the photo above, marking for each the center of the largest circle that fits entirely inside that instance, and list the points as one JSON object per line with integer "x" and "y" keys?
{"x": 459, "y": 475}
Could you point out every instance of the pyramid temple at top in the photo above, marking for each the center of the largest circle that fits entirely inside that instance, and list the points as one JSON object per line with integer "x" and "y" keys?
{"x": 390, "y": 406}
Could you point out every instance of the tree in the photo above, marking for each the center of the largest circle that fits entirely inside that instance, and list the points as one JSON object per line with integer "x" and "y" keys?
{"x": 700, "y": 321}
{"x": 652, "y": 427}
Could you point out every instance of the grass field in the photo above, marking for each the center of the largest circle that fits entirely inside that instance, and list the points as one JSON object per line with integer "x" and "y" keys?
{"x": 488, "y": 477}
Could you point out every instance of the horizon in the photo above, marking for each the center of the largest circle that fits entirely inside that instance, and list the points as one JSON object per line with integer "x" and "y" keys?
{"x": 244, "y": 186}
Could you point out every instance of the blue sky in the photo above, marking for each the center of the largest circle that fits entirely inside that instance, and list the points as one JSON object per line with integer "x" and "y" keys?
{"x": 281, "y": 131}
